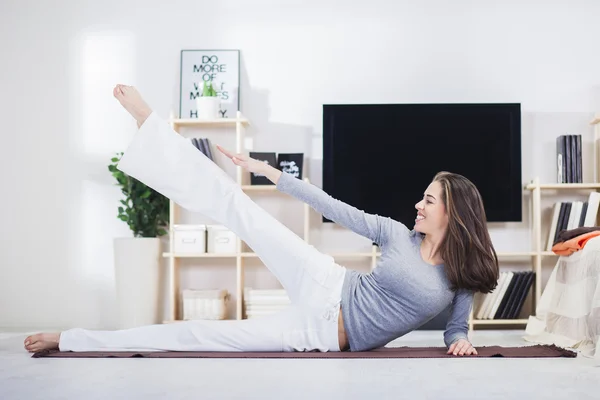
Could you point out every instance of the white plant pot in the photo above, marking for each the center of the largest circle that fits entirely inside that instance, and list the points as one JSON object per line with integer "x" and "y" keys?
{"x": 208, "y": 107}
{"x": 137, "y": 263}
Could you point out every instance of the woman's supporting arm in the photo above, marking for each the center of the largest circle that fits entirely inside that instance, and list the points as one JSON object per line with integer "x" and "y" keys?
{"x": 458, "y": 324}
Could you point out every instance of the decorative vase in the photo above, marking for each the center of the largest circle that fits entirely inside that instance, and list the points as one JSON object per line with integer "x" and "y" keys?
{"x": 208, "y": 107}
{"x": 137, "y": 263}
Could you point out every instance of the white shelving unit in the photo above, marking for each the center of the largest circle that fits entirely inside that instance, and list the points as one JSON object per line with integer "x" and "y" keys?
{"x": 240, "y": 122}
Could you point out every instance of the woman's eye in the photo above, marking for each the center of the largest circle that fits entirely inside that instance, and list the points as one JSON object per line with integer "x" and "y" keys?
{"x": 429, "y": 202}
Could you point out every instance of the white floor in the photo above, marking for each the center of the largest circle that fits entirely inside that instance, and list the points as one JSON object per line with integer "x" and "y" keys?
{"x": 22, "y": 377}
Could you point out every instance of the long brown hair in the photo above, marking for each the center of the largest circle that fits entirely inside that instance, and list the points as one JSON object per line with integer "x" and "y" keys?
{"x": 470, "y": 259}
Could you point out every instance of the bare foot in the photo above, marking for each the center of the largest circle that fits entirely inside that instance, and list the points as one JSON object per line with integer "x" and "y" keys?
{"x": 132, "y": 101}
{"x": 42, "y": 341}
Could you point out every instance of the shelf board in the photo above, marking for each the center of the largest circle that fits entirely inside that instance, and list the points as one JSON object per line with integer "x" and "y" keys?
{"x": 334, "y": 255}
{"x": 250, "y": 255}
{"x": 499, "y": 321}
{"x": 181, "y": 122}
{"x": 475, "y": 322}
{"x": 516, "y": 253}
{"x": 548, "y": 254}
{"x": 564, "y": 186}
{"x": 338, "y": 255}
{"x": 259, "y": 188}
{"x": 200, "y": 255}
{"x": 526, "y": 254}
{"x": 352, "y": 255}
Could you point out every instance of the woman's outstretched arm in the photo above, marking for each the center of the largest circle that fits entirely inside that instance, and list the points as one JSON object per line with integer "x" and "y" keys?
{"x": 371, "y": 226}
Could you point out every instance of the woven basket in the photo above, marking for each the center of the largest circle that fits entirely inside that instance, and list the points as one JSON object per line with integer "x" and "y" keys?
{"x": 204, "y": 304}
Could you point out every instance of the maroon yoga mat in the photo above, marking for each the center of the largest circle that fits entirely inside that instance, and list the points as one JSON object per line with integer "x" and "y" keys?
{"x": 534, "y": 351}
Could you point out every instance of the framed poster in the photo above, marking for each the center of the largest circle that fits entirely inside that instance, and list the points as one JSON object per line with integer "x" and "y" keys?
{"x": 222, "y": 67}
{"x": 291, "y": 163}
{"x": 269, "y": 159}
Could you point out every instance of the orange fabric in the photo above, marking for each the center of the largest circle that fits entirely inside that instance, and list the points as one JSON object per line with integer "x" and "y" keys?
{"x": 572, "y": 245}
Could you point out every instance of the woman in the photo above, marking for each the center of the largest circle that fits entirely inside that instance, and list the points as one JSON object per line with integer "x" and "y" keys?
{"x": 442, "y": 261}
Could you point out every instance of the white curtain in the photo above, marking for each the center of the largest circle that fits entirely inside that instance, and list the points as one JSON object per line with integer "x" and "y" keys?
{"x": 568, "y": 314}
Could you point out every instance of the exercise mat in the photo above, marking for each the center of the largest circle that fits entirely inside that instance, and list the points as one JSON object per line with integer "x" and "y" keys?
{"x": 535, "y": 351}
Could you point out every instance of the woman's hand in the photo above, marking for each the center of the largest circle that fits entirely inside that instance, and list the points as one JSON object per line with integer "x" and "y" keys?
{"x": 462, "y": 347}
{"x": 243, "y": 161}
{"x": 252, "y": 165}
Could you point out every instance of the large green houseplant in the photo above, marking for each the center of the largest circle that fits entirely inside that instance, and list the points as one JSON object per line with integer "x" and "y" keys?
{"x": 145, "y": 210}
{"x": 137, "y": 258}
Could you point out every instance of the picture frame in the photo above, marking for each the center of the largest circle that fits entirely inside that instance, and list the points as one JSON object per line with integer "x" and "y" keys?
{"x": 269, "y": 158}
{"x": 218, "y": 66}
{"x": 291, "y": 163}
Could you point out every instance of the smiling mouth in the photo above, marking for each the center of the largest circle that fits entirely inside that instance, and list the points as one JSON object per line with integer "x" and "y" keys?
{"x": 419, "y": 218}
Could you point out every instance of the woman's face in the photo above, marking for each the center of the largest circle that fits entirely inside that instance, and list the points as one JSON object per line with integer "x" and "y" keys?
{"x": 431, "y": 218}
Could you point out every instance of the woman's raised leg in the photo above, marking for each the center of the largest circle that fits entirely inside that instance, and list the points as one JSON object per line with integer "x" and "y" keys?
{"x": 171, "y": 165}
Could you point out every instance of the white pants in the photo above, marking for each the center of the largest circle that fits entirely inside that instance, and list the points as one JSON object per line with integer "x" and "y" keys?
{"x": 171, "y": 165}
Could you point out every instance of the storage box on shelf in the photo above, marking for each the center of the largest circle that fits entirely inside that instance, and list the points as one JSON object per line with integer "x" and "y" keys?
{"x": 204, "y": 304}
{"x": 189, "y": 239}
{"x": 221, "y": 240}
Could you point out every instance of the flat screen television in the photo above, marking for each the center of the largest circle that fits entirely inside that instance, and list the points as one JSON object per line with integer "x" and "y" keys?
{"x": 380, "y": 158}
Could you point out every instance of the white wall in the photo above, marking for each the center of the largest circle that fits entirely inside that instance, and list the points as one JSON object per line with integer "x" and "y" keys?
{"x": 61, "y": 60}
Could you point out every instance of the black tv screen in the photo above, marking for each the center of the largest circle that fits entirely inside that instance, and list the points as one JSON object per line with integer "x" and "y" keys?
{"x": 380, "y": 158}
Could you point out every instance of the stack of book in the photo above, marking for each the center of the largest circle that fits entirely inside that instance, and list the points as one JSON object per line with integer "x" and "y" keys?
{"x": 573, "y": 214}
{"x": 203, "y": 144}
{"x": 259, "y": 303}
{"x": 569, "y": 163}
{"x": 507, "y": 299}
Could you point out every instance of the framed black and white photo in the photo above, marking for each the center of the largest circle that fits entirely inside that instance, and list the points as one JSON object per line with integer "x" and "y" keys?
{"x": 222, "y": 67}
{"x": 291, "y": 163}
{"x": 268, "y": 158}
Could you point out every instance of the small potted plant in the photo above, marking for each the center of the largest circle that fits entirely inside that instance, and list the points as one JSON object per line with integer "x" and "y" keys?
{"x": 209, "y": 103}
{"x": 137, "y": 258}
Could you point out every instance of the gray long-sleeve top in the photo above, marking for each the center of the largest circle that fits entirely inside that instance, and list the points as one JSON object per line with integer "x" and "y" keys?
{"x": 403, "y": 291}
